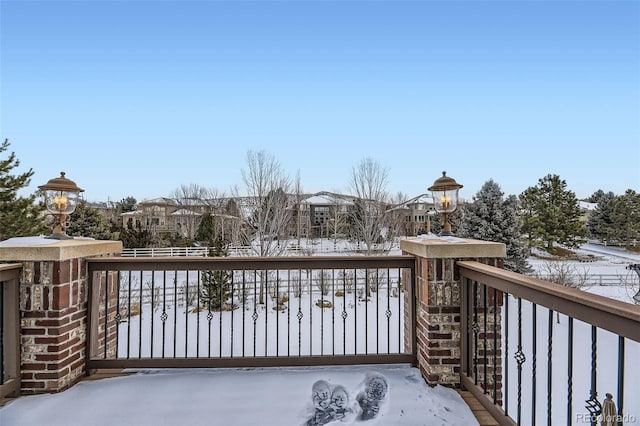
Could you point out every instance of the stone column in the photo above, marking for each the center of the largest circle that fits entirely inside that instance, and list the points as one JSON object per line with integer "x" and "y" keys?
{"x": 438, "y": 300}
{"x": 53, "y": 308}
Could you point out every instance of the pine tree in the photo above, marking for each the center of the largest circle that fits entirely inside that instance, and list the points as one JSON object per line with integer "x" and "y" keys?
{"x": 595, "y": 197}
{"x": 206, "y": 229}
{"x": 600, "y": 222}
{"x": 530, "y": 220}
{"x": 127, "y": 204}
{"x": 89, "y": 222}
{"x": 135, "y": 236}
{"x": 216, "y": 285}
{"x": 551, "y": 214}
{"x": 625, "y": 216}
{"x": 491, "y": 217}
{"x": 19, "y": 216}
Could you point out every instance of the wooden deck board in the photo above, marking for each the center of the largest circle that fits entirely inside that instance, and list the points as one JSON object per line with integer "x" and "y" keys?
{"x": 482, "y": 415}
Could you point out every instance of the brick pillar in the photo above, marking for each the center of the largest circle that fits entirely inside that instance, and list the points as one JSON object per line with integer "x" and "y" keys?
{"x": 438, "y": 301}
{"x": 53, "y": 308}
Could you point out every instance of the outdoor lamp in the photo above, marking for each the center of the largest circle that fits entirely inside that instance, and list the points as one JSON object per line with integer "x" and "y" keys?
{"x": 636, "y": 267}
{"x": 445, "y": 199}
{"x": 61, "y": 198}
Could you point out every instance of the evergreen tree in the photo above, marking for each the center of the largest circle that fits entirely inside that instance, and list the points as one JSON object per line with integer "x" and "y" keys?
{"x": 19, "y": 216}
{"x": 595, "y": 197}
{"x": 216, "y": 285}
{"x": 89, "y": 222}
{"x": 135, "y": 236}
{"x": 529, "y": 219}
{"x": 206, "y": 232}
{"x": 551, "y": 214}
{"x": 600, "y": 222}
{"x": 625, "y": 216}
{"x": 127, "y": 205}
{"x": 491, "y": 217}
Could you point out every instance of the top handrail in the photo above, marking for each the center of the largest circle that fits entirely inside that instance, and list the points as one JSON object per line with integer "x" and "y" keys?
{"x": 247, "y": 263}
{"x": 10, "y": 271}
{"x": 613, "y": 315}
{"x": 10, "y": 266}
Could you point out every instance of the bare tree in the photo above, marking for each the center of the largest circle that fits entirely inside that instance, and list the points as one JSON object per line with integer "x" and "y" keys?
{"x": 299, "y": 195}
{"x": 367, "y": 217}
{"x": 565, "y": 274}
{"x": 397, "y": 217}
{"x": 230, "y": 221}
{"x": 193, "y": 200}
{"x": 338, "y": 219}
{"x": 268, "y": 207}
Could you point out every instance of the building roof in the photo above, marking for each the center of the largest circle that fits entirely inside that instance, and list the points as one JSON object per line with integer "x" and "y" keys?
{"x": 133, "y": 213}
{"x": 185, "y": 212}
{"x": 328, "y": 198}
{"x": 159, "y": 200}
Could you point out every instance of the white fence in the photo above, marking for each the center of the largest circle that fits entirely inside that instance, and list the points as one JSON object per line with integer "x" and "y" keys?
{"x": 165, "y": 251}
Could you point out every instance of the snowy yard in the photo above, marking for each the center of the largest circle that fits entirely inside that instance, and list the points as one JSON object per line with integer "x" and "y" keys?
{"x": 349, "y": 325}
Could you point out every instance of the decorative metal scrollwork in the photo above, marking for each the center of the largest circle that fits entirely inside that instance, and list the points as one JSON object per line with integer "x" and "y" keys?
{"x": 593, "y": 406}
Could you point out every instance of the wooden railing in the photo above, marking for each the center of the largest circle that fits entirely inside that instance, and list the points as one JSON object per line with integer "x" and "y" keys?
{"x": 9, "y": 330}
{"x": 223, "y": 312}
{"x": 535, "y": 352}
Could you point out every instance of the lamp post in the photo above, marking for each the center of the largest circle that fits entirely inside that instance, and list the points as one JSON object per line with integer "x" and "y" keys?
{"x": 61, "y": 198}
{"x": 636, "y": 267}
{"x": 445, "y": 199}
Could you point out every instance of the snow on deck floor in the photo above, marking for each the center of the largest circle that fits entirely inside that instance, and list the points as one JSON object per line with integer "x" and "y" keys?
{"x": 234, "y": 397}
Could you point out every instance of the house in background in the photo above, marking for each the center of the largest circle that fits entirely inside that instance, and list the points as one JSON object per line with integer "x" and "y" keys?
{"x": 108, "y": 209}
{"x": 419, "y": 217}
{"x": 415, "y": 215}
{"x": 323, "y": 214}
{"x": 153, "y": 214}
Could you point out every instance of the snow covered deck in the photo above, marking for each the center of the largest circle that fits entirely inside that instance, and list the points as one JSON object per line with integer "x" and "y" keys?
{"x": 238, "y": 397}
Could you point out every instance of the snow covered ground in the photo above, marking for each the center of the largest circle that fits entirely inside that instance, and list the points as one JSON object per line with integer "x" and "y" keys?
{"x": 605, "y": 262}
{"x": 235, "y": 397}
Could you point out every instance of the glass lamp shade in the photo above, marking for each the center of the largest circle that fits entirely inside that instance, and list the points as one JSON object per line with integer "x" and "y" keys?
{"x": 61, "y": 202}
{"x": 445, "y": 201}
{"x": 445, "y": 194}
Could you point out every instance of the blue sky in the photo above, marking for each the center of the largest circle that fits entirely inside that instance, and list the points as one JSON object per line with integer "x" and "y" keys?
{"x": 138, "y": 98}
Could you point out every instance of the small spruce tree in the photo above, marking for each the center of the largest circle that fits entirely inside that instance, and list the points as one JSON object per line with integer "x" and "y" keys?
{"x": 19, "y": 216}
{"x": 216, "y": 285}
{"x": 207, "y": 231}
